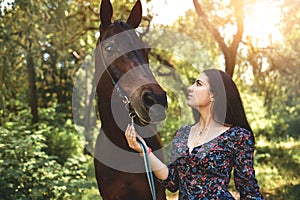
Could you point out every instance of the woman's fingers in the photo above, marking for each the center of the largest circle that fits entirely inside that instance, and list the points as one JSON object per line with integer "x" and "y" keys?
{"x": 131, "y": 135}
{"x": 130, "y": 132}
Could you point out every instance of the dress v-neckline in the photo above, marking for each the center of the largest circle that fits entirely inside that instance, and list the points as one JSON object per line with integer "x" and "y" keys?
{"x": 191, "y": 149}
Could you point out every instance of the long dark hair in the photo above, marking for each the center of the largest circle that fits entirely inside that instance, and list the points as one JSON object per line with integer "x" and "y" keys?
{"x": 227, "y": 105}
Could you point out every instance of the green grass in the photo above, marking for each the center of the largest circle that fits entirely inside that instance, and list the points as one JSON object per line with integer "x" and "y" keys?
{"x": 278, "y": 168}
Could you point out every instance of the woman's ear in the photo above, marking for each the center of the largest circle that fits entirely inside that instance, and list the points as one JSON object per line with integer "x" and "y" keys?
{"x": 211, "y": 97}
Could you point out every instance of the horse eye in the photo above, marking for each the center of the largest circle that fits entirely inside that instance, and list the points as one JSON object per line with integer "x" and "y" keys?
{"x": 108, "y": 48}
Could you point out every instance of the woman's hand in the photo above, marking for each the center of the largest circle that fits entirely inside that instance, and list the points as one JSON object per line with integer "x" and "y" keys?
{"x": 160, "y": 170}
{"x": 131, "y": 137}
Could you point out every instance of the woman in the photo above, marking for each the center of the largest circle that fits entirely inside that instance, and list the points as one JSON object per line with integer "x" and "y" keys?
{"x": 205, "y": 153}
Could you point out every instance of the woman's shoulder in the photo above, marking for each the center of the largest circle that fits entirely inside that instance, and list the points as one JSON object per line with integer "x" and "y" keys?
{"x": 238, "y": 134}
{"x": 182, "y": 132}
{"x": 239, "y": 130}
{"x": 183, "y": 129}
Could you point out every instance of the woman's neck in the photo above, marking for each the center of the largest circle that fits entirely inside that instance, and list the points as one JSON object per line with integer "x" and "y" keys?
{"x": 208, "y": 122}
{"x": 205, "y": 119}
{"x": 204, "y": 122}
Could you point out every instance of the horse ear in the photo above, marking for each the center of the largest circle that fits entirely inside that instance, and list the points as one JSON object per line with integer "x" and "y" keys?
{"x": 106, "y": 11}
{"x": 135, "y": 16}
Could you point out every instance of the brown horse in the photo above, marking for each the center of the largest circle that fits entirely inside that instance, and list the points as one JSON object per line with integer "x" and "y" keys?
{"x": 126, "y": 88}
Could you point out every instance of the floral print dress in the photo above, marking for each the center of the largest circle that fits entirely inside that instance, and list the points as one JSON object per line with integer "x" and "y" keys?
{"x": 204, "y": 173}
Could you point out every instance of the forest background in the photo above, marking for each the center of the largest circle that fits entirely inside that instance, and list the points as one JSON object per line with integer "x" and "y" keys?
{"x": 47, "y": 44}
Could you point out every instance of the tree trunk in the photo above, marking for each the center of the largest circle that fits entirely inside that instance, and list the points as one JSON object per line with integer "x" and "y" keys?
{"x": 230, "y": 57}
{"x": 229, "y": 51}
{"x": 33, "y": 100}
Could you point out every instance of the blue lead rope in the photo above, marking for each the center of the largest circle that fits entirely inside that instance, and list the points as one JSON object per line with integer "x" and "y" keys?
{"x": 148, "y": 168}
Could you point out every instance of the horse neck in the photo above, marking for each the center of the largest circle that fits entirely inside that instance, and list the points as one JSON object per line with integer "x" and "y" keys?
{"x": 113, "y": 113}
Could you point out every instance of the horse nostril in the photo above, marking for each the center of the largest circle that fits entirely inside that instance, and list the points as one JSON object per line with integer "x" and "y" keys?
{"x": 156, "y": 105}
{"x": 148, "y": 99}
{"x": 157, "y": 113}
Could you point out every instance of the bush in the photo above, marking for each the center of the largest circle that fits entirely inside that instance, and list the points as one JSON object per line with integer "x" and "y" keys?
{"x": 62, "y": 140}
{"x": 28, "y": 172}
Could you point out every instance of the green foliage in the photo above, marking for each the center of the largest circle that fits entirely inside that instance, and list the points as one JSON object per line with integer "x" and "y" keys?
{"x": 62, "y": 140}
{"x": 278, "y": 168}
{"x": 28, "y": 172}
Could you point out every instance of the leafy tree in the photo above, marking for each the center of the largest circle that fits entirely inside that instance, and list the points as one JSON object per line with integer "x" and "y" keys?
{"x": 275, "y": 71}
{"x": 231, "y": 15}
{"x": 44, "y": 37}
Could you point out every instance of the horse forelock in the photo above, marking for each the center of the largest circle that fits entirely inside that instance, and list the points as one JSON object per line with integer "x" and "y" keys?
{"x": 122, "y": 24}
{"x": 114, "y": 28}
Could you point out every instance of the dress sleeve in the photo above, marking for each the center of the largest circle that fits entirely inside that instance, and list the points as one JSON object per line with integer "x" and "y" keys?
{"x": 172, "y": 181}
{"x": 244, "y": 174}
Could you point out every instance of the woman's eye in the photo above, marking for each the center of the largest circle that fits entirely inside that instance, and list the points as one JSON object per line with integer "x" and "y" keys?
{"x": 198, "y": 83}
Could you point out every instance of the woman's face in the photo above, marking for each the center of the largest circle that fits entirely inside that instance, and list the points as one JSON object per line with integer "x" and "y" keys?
{"x": 199, "y": 95}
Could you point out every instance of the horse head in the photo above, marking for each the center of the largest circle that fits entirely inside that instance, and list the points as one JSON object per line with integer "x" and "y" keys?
{"x": 125, "y": 59}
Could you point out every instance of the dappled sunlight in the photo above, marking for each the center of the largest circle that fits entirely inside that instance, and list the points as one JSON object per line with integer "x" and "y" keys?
{"x": 290, "y": 143}
{"x": 277, "y": 166}
{"x": 262, "y": 142}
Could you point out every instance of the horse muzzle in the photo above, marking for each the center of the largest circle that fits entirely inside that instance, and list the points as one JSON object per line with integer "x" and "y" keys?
{"x": 151, "y": 109}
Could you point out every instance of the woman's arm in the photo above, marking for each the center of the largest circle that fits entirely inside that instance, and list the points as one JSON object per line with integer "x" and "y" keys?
{"x": 160, "y": 170}
{"x": 244, "y": 174}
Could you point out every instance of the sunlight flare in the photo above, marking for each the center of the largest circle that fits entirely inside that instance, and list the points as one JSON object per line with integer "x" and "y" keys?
{"x": 262, "y": 22}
